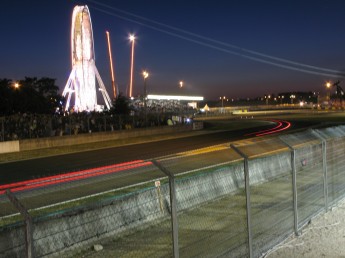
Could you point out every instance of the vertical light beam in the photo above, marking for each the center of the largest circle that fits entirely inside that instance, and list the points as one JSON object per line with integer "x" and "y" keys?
{"x": 111, "y": 65}
{"x": 130, "y": 93}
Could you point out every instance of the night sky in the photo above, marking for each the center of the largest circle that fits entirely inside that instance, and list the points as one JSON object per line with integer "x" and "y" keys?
{"x": 212, "y": 46}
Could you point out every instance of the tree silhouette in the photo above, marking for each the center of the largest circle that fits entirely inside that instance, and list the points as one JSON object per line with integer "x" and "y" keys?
{"x": 30, "y": 95}
{"x": 120, "y": 106}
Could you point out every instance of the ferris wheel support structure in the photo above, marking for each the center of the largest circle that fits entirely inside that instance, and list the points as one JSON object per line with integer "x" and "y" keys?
{"x": 82, "y": 80}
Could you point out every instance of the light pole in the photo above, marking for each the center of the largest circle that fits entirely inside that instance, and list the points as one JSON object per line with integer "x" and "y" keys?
{"x": 267, "y": 97}
{"x": 130, "y": 92}
{"x": 222, "y": 99}
{"x": 111, "y": 65}
{"x": 328, "y": 86}
{"x": 317, "y": 98}
{"x": 279, "y": 97}
{"x": 181, "y": 84}
{"x": 292, "y": 97}
{"x": 145, "y": 75}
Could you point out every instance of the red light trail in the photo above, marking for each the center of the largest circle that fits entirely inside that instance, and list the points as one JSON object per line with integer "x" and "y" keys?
{"x": 83, "y": 174}
{"x": 73, "y": 176}
{"x": 281, "y": 126}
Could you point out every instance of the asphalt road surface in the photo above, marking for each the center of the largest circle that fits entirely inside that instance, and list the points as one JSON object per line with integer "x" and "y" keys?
{"x": 41, "y": 167}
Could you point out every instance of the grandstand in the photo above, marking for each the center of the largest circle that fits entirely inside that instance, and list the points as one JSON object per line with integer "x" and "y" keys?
{"x": 168, "y": 103}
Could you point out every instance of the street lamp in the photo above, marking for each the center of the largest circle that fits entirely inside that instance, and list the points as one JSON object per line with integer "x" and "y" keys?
{"x": 281, "y": 99}
{"x": 132, "y": 39}
{"x": 328, "y": 86}
{"x": 181, "y": 84}
{"x": 292, "y": 97}
{"x": 317, "y": 98}
{"x": 222, "y": 99}
{"x": 145, "y": 75}
{"x": 267, "y": 97}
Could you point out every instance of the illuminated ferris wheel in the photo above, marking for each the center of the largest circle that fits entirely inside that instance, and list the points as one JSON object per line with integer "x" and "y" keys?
{"x": 82, "y": 80}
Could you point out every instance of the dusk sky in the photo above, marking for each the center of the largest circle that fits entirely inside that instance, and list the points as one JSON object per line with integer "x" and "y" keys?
{"x": 218, "y": 48}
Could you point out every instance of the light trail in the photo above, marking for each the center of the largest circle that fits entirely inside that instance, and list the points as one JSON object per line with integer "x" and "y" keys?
{"x": 278, "y": 126}
{"x": 243, "y": 52}
{"x": 281, "y": 126}
{"x": 132, "y": 39}
{"x": 111, "y": 65}
{"x": 285, "y": 127}
{"x": 94, "y": 172}
{"x": 73, "y": 176}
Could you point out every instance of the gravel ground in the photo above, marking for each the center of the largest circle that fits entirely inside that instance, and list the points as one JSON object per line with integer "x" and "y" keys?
{"x": 324, "y": 236}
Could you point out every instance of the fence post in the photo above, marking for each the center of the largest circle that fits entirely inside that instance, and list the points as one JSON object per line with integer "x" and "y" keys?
{"x": 324, "y": 166}
{"x": 174, "y": 220}
{"x": 70, "y": 124}
{"x": 325, "y": 172}
{"x": 88, "y": 124}
{"x": 294, "y": 189}
{"x": 294, "y": 185}
{"x": 28, "y": 222}
{"x": 2, "y": 138}
{"x": 248, "y": 207}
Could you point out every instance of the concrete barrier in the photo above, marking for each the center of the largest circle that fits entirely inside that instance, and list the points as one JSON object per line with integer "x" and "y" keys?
{"x": 70, "y": 140}
{"x": 10, "y": 146}
{"x": 198, "y": 125}
{"x": 77, "y": 228}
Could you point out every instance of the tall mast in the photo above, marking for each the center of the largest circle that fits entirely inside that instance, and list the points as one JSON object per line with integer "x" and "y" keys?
{"x": 111, "y": 65}
{"x": 130, "y": 94}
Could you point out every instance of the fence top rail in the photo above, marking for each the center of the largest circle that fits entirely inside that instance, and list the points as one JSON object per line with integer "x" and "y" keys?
{"x": 301, "y": 139}
{"x": 255, "y": 148}
{"x": 200, "y": 160}
{"x": 331, "y": 132}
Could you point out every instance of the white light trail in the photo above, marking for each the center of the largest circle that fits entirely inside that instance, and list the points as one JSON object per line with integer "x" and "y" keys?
{"x": 240, "y": 51}
{"x": 130, "y": 94}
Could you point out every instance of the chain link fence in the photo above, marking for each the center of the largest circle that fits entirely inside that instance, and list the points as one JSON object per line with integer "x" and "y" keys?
{"x": 237, "y": 200}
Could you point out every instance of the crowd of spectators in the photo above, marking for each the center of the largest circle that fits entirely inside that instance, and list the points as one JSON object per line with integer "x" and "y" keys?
{"x": 27, "y": 125}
